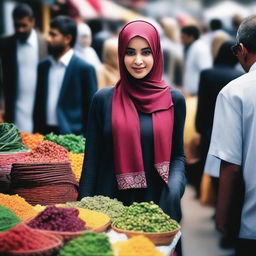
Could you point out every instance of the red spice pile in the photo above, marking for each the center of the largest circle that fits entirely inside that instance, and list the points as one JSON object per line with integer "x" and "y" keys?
{"x": 22, "y": 238}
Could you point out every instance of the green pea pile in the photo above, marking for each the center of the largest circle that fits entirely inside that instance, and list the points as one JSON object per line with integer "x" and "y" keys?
{"x": 88, "y": 244}
{"x": 145, "y": 217}
{"x": 73, "y": 143}
{"x": 111, "y": 207}
{"x": 8, "y": 219}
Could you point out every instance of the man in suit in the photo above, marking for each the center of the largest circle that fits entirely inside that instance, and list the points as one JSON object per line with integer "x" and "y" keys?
{"x": 66, "y": 83}
{"x": 20, "y": 54}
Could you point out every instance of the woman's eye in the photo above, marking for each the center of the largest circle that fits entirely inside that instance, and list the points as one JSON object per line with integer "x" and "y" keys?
{"x": 129, "y": 52}
{"x": 146, "y": 52}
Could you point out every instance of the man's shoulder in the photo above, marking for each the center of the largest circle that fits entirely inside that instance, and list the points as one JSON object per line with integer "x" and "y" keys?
{"x": 76, "y": 60}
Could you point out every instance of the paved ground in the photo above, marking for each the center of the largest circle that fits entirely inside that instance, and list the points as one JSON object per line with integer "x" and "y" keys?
{"x": 200, "y": 237}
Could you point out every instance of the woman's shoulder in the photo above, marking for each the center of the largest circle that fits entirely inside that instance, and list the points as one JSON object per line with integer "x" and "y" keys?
{"x": 104, "y": 92}
{"x": 177, "y": 95}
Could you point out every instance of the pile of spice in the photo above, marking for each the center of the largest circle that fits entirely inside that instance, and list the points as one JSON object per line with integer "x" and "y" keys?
{"x": 76, "y": 163}
{"x": 31, "y": 140}
{"x": 18, "y": 205}
{"x": 137, "y": 246}
{"x": 145, "y": 217}
{"x": 112, "y": 207}
{"x": 10, "y": 140}
{"x": 47, "y": 152}
{"x": 8, "y": 219}
{"x": 73, "y": 143}
{"x": 58, "y": 219}
{"x": 22, "y": 239}
{"x": 88, "y": 244}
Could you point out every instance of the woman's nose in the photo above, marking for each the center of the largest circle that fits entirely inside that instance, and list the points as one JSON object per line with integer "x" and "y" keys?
{"x": 138, "y": 60}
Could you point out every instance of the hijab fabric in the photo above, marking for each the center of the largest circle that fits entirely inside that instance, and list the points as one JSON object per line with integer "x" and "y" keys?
{"x": 149, "y": 95}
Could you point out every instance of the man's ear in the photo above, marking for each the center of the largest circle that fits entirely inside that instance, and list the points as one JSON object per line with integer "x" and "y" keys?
{"x": 67, "y": 39}
{"x": 244, "y": 51}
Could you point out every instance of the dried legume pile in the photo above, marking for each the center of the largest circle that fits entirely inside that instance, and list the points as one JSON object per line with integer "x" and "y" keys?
{"x": 137, "y": 246}
{"x": 145, "y": 217}
{"x": 10, "y": 140}
{"x": 58, "y": 219}
{"x": 21, "y": 238}
{"x": 48, "y": 152}
{"x": 8, "y": 219}
{"x": 18, "y": 205}
{"x": 88, "y": 244}
{"x": 76, "y": 163}
{"x": 31, "y": 140}
{"x": 73, "y": 143}
{"x": 112, "y": 207}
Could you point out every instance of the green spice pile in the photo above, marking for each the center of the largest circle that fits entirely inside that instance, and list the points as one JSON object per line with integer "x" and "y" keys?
{"x": 111, "y": 207}
{"x": 88, "y": 244}
{"x": 73, "y": 143}
{"x": 10, "y": 139}
{"x": 8, "y": 219}
{"x": 145, "y": 217}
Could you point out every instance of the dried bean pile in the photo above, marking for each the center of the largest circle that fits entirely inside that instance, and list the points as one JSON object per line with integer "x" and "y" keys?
{"x": 47, "y": 152}
{"x": 58, "y": 219}
{"x": 31, "y": 140}
{"x": 21, "y": 238}
{"x": 8, "y": 219}
{"x": 112, "y": 207}
{"x": 145, "y": 217}
{"x": 88, "y": 244}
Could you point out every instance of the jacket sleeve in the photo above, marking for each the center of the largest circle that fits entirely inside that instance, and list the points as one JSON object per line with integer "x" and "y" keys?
{"x": 172, "y": 193}
{"x": 92, "y": 151}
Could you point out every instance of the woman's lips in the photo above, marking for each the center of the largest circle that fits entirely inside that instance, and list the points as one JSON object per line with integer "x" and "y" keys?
{"x": 138, "y": 70}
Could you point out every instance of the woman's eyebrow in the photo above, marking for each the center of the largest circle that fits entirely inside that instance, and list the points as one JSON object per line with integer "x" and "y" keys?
{"x": 146, "y": 48}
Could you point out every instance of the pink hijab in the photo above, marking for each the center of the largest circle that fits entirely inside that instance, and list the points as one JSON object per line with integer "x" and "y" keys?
{"x": 149, "y": 95}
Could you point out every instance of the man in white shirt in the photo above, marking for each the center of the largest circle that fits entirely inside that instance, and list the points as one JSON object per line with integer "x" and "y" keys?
{"x": 197, "y": 58}
{"x": 232, "y": 150}
{"x": 20, "y": 55}
{"x": 66, "y": 83}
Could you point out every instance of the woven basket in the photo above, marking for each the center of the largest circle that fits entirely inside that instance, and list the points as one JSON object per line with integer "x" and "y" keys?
{"x": 163, "y": 238}
{"x": 48, "y": 251}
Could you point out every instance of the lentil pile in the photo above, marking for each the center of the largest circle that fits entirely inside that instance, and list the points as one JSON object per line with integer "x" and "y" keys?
{"x": 8, "y": 219}
{"x": 18, "y": 205}
{"x": 48, "y": 152}
{"x": 31, "y": 140}
{"x": 58, "y": 219}
{"x": 112, "y": 207}
{"x": 76, "y": 163}
{"x": 73, "y": 143}
{"x": 88, "y": 244}
{"x": 145, "y": 217}
{"x": 10, "y": 140}
{"x": 21, "y": 238}
{"x": 137, "y": 246}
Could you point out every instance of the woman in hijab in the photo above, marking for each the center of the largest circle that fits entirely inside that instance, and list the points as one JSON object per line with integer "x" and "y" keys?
{"x": 134, "y": 147}
{"x": 83, "y": 47}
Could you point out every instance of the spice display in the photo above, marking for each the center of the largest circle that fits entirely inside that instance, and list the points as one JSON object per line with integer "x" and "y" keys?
{"x": 137, "y": 246}
{"x": 88, "y": 244}
{"x": 112, "y": 207}
{"x": 47, "y": 152}
{"x": 21, "y": 238}
{"x": 18, "y": 205}
{"x": 31, "y": 140}
{"x": 8, "y": 219}
{"x": 145, "y": 217}
{"x": 10, "y": 140}
{"x": 58, "y": 219}
{"x": 73, "y": 143}
{"x": 76, "y": 163}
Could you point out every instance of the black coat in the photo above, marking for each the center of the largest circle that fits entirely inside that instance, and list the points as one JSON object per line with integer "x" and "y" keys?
{"x": 98, "y": 176}
{"x": 8, "y": 56}
{"x": 78, "y": 87}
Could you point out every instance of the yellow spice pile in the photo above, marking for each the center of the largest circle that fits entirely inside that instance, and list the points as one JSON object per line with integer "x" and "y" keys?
{"x": 76, "y": 163}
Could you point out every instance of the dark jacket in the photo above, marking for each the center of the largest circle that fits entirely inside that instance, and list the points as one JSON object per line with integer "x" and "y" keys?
{"x": 78, "y": 87}
{"x": 8, "y": 55}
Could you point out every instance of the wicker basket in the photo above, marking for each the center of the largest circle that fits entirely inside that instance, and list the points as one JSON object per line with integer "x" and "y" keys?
{"x": 163, "y": 238}
{"x": 48, "y": 251}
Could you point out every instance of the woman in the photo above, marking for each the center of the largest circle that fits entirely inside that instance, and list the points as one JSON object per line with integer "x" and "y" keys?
{"x": 135, "y": 131}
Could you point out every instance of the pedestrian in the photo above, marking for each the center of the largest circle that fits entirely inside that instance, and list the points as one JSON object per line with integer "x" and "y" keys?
{"x": 134, "y": 147}
{"x": 66, "y": 83}
{"x": 20, "y": 54}
{"x": 233, "y": 145}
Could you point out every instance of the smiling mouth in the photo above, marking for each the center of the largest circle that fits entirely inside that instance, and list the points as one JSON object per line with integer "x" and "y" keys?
{"x": 138, "y": 70}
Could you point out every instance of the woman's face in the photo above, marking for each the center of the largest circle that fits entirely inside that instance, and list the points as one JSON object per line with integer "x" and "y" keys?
{"x": 138, "y": 58}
